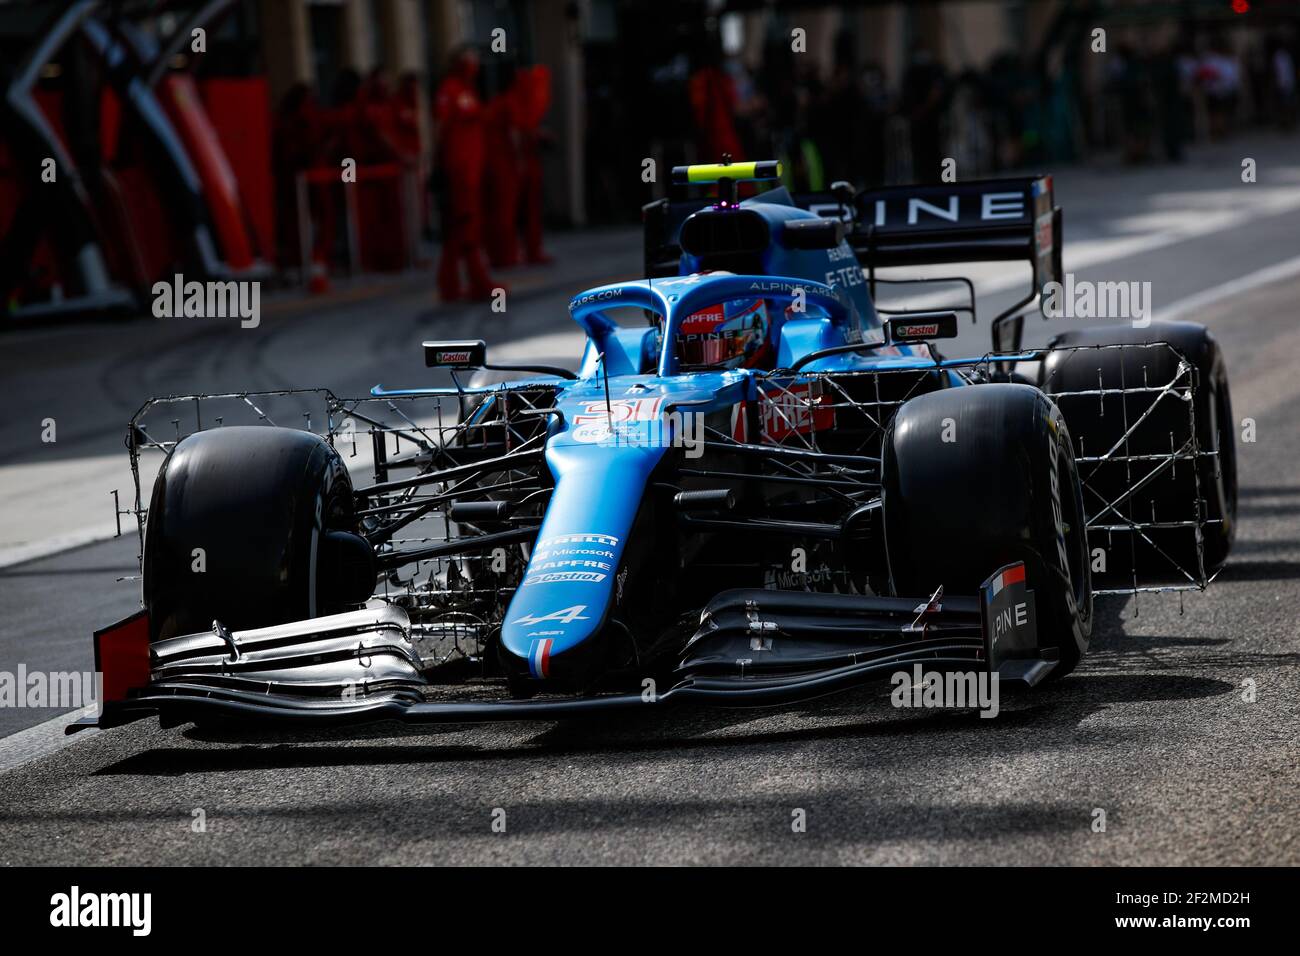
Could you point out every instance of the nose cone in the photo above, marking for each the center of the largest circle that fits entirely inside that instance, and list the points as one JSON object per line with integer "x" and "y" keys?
{"x": 571, "y": 585}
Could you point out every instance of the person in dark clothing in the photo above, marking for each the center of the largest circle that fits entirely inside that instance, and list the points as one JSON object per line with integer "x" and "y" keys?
{"x": 1173, "y": 101}
{"x": 297, "y": 145}
{"x": 1133, "y": 88}
{"x": 875, "y": 113}
{"x": 840, "y": 118}
{"x": 924, "y": 97}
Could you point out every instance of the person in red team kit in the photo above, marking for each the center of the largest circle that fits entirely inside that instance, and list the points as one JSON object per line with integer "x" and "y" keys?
{"x": 532, "y": 100}
{"x": 459, "y": 115}
{"x": 407, "y": 135}
{"x": 501, "y": 193}
{"x": 713, "y": 106}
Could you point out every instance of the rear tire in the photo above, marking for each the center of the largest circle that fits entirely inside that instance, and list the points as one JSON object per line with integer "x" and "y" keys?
{"x": 1098, "y": 424}
{"x": 252, "y": 526}
{"x": 981, "y": 476}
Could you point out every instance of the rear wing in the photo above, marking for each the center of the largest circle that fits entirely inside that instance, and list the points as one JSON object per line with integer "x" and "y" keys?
{"x": 986, "y": 220}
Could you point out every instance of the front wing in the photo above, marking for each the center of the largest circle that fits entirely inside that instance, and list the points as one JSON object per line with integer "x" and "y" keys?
{"x": 753, "y": 648}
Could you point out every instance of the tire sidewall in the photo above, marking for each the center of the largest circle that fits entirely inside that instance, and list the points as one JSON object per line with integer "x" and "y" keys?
{"x": 259, "y": 509}
{"x": 955, "y": 513}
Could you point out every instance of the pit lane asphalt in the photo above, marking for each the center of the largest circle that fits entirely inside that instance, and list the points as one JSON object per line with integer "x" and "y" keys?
{"x": 1153, "y": 728}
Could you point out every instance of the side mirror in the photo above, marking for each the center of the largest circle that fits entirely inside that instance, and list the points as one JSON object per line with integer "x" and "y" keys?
{"x": 470, "y": 354}
{"x": 921, "y": 327}
{"x": 467, "y": 354}
{"x": 812, "y": 233}
{"x": 1007, "y": 332}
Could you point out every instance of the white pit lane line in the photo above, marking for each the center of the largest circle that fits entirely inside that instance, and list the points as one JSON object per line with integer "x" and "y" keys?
{"x": 45, "y": 738}
{"x": 1194, "y": 303}
{"x": 35, "y": 550}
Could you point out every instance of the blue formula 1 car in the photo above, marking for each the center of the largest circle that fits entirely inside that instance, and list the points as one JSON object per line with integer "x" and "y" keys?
{"x": 760, "y": 486}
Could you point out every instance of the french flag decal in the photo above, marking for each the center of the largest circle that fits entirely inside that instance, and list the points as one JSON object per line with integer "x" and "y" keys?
{"x": 539, "y": 657}
{"x": 1012, "y": 575}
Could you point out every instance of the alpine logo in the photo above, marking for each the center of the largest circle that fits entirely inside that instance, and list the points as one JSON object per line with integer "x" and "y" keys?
{"x": 945, "y": 206}
{"x": 567, "y": 616}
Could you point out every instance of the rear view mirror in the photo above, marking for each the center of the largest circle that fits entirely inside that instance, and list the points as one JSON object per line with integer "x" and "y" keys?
{"x": 921, "y": 327}
{"x": 812, "y": 233}
{"x": 1007, "y": 332}
{"x": 470, "y": 354}
{"x": 467, "y": 354}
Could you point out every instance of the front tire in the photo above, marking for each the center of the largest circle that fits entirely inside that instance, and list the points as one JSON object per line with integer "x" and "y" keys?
{"x": 252, "y": 526}
{"x": 981, "y": 476}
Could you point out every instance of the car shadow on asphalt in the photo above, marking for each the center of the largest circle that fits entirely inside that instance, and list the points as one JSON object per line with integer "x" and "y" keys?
{"x": 1236, "y": 570}
{"x": 863, "y": 714}
{"x": 861, "y": 818}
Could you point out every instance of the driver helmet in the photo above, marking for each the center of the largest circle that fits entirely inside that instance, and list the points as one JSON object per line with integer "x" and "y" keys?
{"x": 731, "y": 334}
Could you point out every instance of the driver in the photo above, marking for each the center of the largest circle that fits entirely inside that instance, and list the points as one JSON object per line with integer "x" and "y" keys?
{"x": 732, "y": 334}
